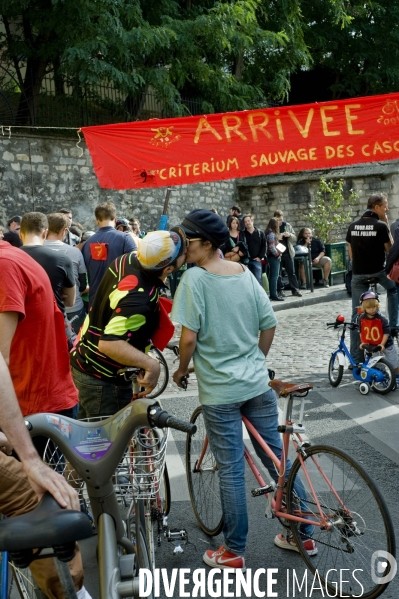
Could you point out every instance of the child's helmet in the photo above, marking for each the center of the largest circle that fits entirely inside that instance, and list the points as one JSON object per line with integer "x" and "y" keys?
{"x": 369, "y": 295}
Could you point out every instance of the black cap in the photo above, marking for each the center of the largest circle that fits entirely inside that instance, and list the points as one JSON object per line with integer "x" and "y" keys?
{"x": 206, "y": 224}
{"x": 122, "y": 222}
{"x": 14, "y": 219}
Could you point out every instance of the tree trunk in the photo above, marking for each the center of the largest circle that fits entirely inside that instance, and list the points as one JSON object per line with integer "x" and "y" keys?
{"x": 35, "y": 71}
{"x": 238, "y": 66}
{"x": 134, "y": 104}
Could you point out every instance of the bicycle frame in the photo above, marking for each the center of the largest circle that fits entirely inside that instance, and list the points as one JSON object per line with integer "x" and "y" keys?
{"x": 4, "y": 575}
{"x": 94, "y": 451}
{"x": 276, "y": 508}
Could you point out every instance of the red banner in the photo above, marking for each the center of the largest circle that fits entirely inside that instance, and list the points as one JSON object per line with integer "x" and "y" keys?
{"x": 212, "y": 147}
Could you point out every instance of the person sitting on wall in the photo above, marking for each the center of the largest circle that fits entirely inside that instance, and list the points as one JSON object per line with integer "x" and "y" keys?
{"x": 318, "y": 253}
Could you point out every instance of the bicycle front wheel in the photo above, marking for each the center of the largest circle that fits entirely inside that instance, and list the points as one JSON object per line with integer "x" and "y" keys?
{"x": 354, "y": 521}
{"x": 163, "y": 380}
{"x": 155, "y": 509}
{"x": 202, "y": 478}
{"x": 335, "y": 371}
{"x": 143, "y": 557}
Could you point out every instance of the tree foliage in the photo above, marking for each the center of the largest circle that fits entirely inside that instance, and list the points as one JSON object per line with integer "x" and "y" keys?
{"x": 233, "y": 54}
{"x": 361, "y": 58}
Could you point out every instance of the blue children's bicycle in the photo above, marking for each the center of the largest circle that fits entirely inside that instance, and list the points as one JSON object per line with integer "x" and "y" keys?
{"x": 375, "y": 372}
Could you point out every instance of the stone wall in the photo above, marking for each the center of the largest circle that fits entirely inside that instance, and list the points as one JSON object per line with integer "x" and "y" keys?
{"x": 46, "y": 174}
{"x": 292, "y": 193}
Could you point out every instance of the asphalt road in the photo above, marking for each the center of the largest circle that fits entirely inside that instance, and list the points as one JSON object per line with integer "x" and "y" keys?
{"x": 364, "y": 426}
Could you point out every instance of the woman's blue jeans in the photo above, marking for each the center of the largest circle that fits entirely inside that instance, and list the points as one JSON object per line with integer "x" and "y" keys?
{"x": 274, "y": 265}
{"x": 224, "y": 427}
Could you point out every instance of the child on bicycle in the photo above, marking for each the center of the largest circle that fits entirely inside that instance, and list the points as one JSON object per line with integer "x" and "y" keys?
{"x": 375, "y": 330}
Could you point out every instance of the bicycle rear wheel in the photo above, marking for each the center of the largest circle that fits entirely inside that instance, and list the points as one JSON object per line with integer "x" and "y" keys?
{"x": 163, "y": 375}
{"x": 202, "y": 480}
{"x": 389, "y": 380}
{"x": 25, "y": 583}
{"x": 358, "y": 521}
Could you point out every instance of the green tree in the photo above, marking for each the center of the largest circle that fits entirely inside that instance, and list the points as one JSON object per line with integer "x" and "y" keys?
{"x": 359, "y": 59}
{"x": 331, "y": 210}
{"x": 233, "y": 54}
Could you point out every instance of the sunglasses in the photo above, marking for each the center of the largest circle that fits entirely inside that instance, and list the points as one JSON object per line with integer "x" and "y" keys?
{"x": 188, "y": 240}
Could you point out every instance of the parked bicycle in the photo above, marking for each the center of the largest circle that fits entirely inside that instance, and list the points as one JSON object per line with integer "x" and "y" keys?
{"x": 93, "y": 451}
{"x": 350, "y": 518}
{"x": 14, "y": 579}
{"x": 163, "y": 379}
{"x": 374, "y": 372}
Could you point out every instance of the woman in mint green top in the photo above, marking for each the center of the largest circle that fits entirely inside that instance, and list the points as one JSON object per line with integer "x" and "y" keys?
{"x": 227, "y": 327}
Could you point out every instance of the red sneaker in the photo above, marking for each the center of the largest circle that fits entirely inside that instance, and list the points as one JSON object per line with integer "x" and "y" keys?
{"x": 287, "y": 542}
{"x": 223, "y": 558}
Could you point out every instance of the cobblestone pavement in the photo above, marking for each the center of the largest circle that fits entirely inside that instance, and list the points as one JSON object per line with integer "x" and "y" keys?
{"x": 302, "y": 345}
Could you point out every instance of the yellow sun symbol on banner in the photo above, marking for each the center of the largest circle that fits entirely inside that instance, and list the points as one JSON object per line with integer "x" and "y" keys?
{"x": 390, "y": 113}
{"x": 164, "y": 137}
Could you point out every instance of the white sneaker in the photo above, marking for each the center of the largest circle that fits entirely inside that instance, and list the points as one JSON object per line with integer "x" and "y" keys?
{"x": 286, "y": 541}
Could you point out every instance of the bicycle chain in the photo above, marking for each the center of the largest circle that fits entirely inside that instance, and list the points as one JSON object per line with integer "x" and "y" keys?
{"x": 318, "y": 540}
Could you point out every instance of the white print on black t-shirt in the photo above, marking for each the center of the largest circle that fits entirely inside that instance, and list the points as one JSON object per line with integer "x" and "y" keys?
{"x": 363, "y": 231}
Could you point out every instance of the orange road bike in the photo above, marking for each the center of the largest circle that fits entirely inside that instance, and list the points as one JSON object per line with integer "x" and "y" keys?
{"x": 352, "y": 524}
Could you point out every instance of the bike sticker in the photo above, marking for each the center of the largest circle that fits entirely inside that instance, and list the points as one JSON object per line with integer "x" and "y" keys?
{"x": 94, "y": 450}
{"x": 94, "y": 433}
{"x": 63, "y": 426}
{"x": 119, "y": 420}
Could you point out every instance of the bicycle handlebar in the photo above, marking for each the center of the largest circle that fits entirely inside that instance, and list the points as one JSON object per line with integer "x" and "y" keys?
{"x": 161, "y": 419}
{"x": 336, "y": 325}
{"x": 95, "y": 448}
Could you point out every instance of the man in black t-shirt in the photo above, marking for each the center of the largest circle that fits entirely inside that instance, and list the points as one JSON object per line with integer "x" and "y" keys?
{"x": 58, "y": 266}
{"x": 369, "y": 240}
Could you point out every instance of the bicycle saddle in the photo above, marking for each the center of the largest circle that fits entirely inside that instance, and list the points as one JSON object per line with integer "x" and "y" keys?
{"x": 370, "y": 280}
{"x": 48, "y": 525}
{"x": 371, "y": 349}
{"x": 283, "y": 389}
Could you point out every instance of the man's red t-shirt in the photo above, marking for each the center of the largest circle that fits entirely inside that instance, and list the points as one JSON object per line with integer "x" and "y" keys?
{"x": 39, "y": 358}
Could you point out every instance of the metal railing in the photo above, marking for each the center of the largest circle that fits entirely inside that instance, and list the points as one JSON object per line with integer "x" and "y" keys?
{"x": 65, "y": 104}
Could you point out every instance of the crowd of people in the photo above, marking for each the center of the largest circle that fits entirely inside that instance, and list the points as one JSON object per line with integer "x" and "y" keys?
{"x": 272, "y": 251}
{"x": 58, "y": 280}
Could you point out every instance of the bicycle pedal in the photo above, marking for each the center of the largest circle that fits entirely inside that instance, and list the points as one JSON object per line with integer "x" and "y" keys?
{"x": 262, "y": 490}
